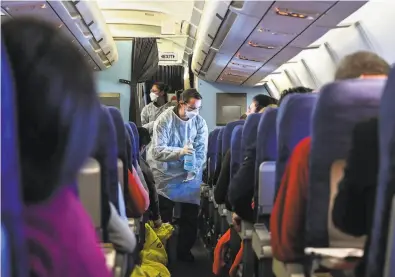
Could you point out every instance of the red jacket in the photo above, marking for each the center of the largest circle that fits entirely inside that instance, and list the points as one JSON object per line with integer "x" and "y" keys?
{"x": 288, "y": 215}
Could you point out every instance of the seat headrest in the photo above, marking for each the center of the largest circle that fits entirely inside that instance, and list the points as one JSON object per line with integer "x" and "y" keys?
{"x": 235, "y": 149}
{"x": 131, "y": 146}
{"x": 293, "y": 124}
{"x": 385, "y": 189}
{"x": 341, "y": 105}
{"x": 11, "y": 202}
{"x": 267, "y": 137}
{"x": 211, "y": 153}
{"x": 227, "y": 134}
{"x": 120, "y": 132}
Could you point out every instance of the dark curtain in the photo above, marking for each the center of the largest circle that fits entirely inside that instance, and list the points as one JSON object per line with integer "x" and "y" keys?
{"x": 191, "y": 75}
{"x": 172, "y": 75}
{"x": 144, "y": 65}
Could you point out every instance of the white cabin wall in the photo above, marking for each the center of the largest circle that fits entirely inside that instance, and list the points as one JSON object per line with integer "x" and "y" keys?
{"x": 377, "y": 19}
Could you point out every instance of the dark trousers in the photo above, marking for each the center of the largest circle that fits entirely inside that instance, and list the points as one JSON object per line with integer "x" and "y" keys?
{"x": 188, "y": 222}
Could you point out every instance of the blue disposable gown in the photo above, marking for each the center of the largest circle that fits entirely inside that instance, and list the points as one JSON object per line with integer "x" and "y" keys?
{"x": 150, "y": 113}
{"x": 170, "y": 134}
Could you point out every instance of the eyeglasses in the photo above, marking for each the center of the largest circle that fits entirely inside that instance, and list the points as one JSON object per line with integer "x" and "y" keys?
{"x": 190, "y": 109}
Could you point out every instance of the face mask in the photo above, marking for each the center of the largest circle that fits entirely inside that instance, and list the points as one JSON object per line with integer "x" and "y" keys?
{"x": 191, "y": 114}
{"x": 153, "y": 97}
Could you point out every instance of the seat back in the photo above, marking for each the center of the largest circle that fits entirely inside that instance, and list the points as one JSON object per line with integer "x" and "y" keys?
{"x": 211, "y": 152}
{"x": 227, "y": 134}
{"x": 293, "y": 124}
{"x": 340, "y": 107}
{"x": 106, "y": 155}
{"x": 11, "y": 202}
{"x": 89, "y": 189}
{"x": 122, "y": 163}
{"x": 266, "y": 151}
{"x": 235, "y": 149}
{"x": 136, "y": 140}
{"x": 379, "y": 244}
{"x": 131, "y": 147}
{"x": 218, "y": 151}
{"x": 250, "y": 130}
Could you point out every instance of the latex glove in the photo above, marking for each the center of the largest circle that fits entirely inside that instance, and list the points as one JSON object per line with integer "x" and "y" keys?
{"x": 236, "y": 222}
{"x": 186, "y": 151}
{"x": 158, "y": 223}
{"x": 190, "y": 176}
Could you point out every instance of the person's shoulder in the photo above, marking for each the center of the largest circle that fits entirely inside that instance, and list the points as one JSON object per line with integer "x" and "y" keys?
{"x": 200, "y": 120}
{"x": 165, "y": 115}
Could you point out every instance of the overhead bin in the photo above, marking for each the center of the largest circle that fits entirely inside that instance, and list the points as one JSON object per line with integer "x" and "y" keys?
{"x": 81, "y": 21}
{"x": 256, "y": 37}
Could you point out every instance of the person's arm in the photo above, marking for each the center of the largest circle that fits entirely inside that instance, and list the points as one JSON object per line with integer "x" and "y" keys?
{"x": 119, "y": 232}
{"x": 353, "y": 206}
{"x": 241, "y": 188}
{"x": 200, "y": 144}
{"x": 161, "y": 139}
{"x": 145, "y": 122}
{"x": 153, "y": 195}
{"x": 221, "y": 189}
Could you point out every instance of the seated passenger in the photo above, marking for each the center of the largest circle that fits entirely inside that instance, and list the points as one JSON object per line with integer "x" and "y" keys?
{"x": 221, "y": 188}
{"x": 354, "y": 204}
{"x": 241, "y": 187}
{"x": 58, "y": 113}
{"x": 287, "y": 219}
{"x": 144, "y": 140}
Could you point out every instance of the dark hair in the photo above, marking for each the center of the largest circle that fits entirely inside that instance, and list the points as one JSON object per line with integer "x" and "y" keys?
{"x": 361, "y": 63}
{"x": 144, "y": 137}
{"x": 190, "y": 93}
{"x": 57, "y": 105}
{"x": 178, "y": 94}
{"x": 243, "y": 117}
{"x": 293, "y": 90}
{"x": 162, "y": 87}
{"x": 263, "y": 101}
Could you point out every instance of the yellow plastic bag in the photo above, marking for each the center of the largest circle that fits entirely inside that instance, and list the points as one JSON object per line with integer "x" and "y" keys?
{"x": 164, "y": 232}
{"x": 150, "y": 269}
{"x": 153, "y": 249}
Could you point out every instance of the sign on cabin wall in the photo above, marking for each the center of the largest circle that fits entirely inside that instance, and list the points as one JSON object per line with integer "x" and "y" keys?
{"x": 168, "y": 56}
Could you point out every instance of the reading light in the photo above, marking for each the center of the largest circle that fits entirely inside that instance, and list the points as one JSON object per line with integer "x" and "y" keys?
{"x": 288, "y": 13}
{"x": 268, "y": 47}
{"x": 247, "y": 59}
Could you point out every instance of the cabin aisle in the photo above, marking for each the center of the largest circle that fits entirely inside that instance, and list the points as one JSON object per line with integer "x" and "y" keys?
{"x": 202, "y": 267}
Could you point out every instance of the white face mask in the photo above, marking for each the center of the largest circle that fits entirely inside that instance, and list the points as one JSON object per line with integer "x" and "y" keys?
{"x": 191, "y": 114}
{"x": 153, "y": 97}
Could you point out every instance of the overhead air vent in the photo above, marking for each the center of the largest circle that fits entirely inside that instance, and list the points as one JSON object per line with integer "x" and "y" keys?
{"x": 263, "y": 46}
{"x": 235, "y": 75}
{"x": 286, "y": 12}
{"x": 275, "y": 33}
{"x": 229, "y": 19}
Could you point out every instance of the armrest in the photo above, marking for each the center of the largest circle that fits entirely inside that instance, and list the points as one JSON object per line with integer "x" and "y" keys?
{"x": 247, "y": 229}
{"x": 335, "y": 258}
{"x": 261, "y": 242}
{"x": 281, "y": 269}
{"x": 267, "y": 172}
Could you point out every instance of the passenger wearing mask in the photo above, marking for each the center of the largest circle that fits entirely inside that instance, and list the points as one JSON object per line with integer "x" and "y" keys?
{"x": 58, "y": 120}
{"x": 179, "y": 132}
{"x": 150, "y": 112}
{"x": 144, "y": 140}
{"x": 288, "y": 215}
{"x": 241, "y": 186}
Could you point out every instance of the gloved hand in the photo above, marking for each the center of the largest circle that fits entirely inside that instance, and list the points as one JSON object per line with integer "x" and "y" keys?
{"x": 186, "y": 151}
{"x": 191, "y": 175}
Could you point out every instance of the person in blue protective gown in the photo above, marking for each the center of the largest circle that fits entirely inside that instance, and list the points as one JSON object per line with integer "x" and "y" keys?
{"x": 177, "y": 133}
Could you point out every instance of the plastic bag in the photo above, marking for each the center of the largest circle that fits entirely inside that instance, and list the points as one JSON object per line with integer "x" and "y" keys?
{"x": 150, "y": 269}
{"x": 153, "y": 249}
{"x": 164, "y": 232}
{"x": 184, "y": 191}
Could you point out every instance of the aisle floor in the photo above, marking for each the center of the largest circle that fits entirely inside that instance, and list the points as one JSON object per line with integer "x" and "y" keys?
{"x": 202, "y": 267}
